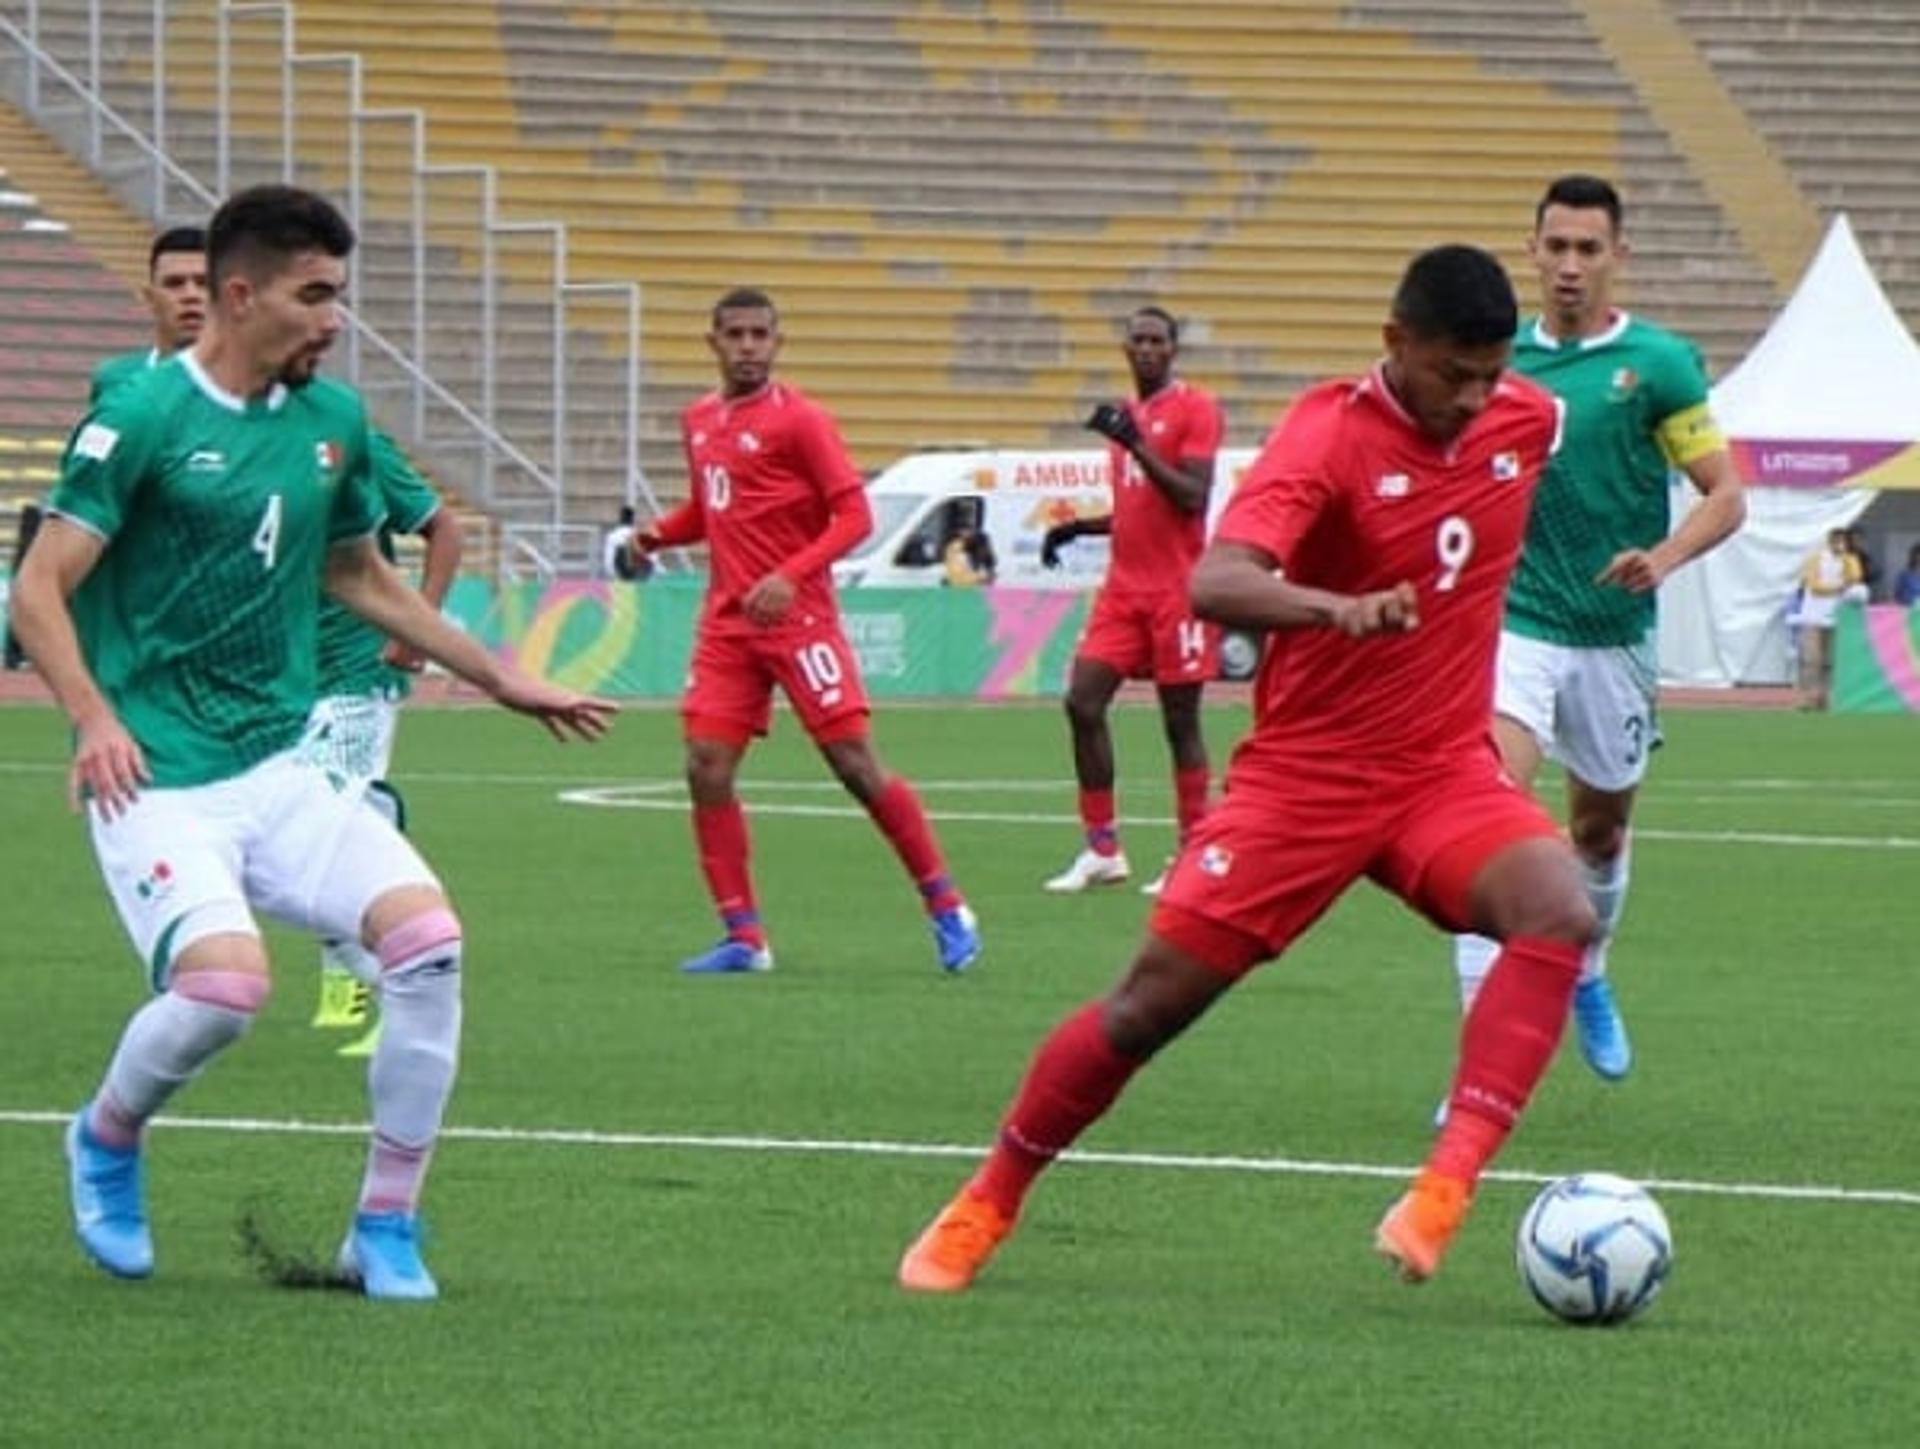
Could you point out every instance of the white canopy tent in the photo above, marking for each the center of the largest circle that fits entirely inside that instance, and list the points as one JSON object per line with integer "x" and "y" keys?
{"x": 1823, "y": 411}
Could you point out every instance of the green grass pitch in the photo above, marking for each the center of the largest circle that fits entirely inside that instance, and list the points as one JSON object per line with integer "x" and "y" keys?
{"x": 733, "y": 1285}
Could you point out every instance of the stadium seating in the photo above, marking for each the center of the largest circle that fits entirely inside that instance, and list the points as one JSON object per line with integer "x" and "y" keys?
{"x": 1834, "y": 88}
{"x": 63, "y": 310}
{"x": 954, "y": 203}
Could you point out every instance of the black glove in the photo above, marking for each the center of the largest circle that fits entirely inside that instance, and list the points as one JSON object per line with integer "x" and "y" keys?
{"x": 1055, "y": 539}
{"x": 1113, "y": 421}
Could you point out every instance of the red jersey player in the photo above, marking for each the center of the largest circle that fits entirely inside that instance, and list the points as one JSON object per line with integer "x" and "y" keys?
{"x": 777, "y": 500}
{"x": 1142, "y": 627}
{"x": 1395, "y": 504}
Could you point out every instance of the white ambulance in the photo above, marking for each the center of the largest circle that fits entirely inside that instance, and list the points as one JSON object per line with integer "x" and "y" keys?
{"x": 922, "y": 502}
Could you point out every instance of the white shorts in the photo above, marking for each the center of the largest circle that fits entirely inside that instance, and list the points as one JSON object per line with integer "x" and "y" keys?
{"x": 283, "y": 838}
{"x": 351, "y": 735}
{"x": 1590, "y": 709}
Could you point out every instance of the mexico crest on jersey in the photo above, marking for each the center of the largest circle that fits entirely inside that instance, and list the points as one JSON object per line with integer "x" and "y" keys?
{"x": 327, "y": 455}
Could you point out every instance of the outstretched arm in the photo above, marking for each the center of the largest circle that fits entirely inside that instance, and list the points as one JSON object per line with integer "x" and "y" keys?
{"x": 363, "y": 581}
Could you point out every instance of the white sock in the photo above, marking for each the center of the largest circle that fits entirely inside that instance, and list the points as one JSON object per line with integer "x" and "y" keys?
{"x": 412, "y": 1071}
{"x": 1607, "y": 889}
{"x": 1472, "y": 960}
{"x": 165, "y": 1046}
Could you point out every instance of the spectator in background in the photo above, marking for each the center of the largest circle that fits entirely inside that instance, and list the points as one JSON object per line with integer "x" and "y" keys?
{"x": 614, "y": 560}
{"x": 1869, "y": 581}
{"x": 1906, "y": 583}
{"x": 1825, "y": 579}
{"x": 968, "y": 558}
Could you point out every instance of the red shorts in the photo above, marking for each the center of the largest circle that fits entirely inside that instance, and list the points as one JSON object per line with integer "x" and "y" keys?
{"x": 731, "y": 680}
{"x": 1151, "y": 636}
{"x": 1279, "y": 849}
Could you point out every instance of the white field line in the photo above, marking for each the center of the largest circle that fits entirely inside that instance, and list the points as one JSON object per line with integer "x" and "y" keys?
{"x": 665, "y": 796}
{"x": 650, "y": 796}
{"x": 1165, "y": 1161}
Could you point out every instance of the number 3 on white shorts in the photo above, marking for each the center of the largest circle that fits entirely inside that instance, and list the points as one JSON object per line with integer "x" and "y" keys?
{"x": 1454, "y": 544}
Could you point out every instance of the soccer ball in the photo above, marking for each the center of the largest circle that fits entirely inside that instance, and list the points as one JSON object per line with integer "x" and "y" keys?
{"x": 1594, "y": 1248}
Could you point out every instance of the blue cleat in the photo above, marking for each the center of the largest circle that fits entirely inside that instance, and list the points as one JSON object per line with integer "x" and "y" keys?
{"x": 1603, "y": 1035}
{"x": 382, "y": 1253}
{"x": 956, "y": 936}
{"x": 109, "y": 1203}
{"x": 729, "y": 958}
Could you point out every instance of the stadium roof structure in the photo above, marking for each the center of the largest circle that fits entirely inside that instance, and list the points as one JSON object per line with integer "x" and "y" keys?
{"x": 1830, "y": 396}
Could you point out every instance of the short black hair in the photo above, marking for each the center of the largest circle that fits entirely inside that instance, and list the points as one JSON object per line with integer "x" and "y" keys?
{"x": 176, "y": 239}
{"x": 1163, "y": 315}
{"x": 262, "y": 228}
{"x": 1458, "y": 293}
{"x": 741, "y": 299}
{"x": 1581, "y": 192}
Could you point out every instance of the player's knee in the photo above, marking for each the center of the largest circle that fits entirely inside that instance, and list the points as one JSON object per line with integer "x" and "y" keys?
{"x": 1598, "y": 840}
{"x": 1559, "y": 915}
{"x": 426, "y": 941}
{"x": 710, "y": 774}
{"x": 1086, "y": 709}
{"x": 241, "y": 992}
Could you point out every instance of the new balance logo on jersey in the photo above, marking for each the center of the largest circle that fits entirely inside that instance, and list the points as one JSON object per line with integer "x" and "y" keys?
{"x": 1506, "y": 467}
{"x": 96, "y": 441}
{"x": 1392, "y": 485}
{"x": 206, "y": 460}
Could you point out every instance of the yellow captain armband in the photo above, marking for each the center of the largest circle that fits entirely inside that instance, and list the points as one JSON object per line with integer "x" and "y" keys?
{"x": 1689, "y": 435}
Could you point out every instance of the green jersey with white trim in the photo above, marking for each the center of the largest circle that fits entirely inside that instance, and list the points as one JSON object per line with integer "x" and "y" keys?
{"x": 1636, "y": 400}
{"x": 199, "y": 619}
{"x": 351, "y": 648}
{"x": 120, "y": 368}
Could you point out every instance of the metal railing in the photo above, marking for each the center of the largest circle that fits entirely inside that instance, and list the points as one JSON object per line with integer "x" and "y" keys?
{"x": 438, "y": 394}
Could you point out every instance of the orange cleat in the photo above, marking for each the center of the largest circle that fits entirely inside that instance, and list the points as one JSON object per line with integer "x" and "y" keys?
{"x": 955, "y": 1246}
{"x": 1416, "y": 1231}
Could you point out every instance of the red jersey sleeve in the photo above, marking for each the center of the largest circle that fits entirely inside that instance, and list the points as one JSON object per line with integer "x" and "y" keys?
{"x": 1203, "y": 427}
{"x": 1287, "y": 489}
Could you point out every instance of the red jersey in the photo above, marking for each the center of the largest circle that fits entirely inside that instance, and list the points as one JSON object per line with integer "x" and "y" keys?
{"x": 1350, "y": 496}
{"x": 1155, "y": 544}
{"x": 762, "y": 470}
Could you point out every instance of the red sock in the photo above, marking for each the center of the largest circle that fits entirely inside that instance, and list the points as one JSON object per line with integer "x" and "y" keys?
{"x": 1189, "y": 798}
{"x": 1096, "y": 818}
{"x": 902, "y": 819}
{"x": 1074, "y": 1078}
{"x": 720, "y": 832}
{"x": 1505, "y": 1045}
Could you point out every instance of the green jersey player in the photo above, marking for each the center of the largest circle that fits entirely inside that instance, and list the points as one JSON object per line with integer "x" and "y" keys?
{"x": 170, "y": 604}
{"x": 363, "y": 676}
{"x": 1577, "y": 668}
{"x": 176, "y": 294}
